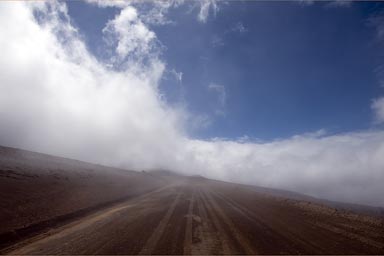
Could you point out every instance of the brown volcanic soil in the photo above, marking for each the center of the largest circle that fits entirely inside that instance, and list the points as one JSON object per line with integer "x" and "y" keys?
{"x": 36, "y": 188}
{"x": 98, "y": 210}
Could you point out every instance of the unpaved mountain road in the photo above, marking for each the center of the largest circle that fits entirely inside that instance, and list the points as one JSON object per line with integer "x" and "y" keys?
{"x": 200, "y": 216}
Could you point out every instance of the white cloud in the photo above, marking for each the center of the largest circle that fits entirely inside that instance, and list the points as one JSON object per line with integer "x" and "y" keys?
{"x": 328, "y": 4}
{"x": 306, "y": 2}
{"x": 205, "y": 7}
{"x": 155, "y": 14}
{"x": 130, "y": 34}
{"x": 58, "y": 99}
{"x": 158, "y": 13}
{"x": 345, "y": 167}
{"x": 178, "y": 75}
{"x": 113, "y": 3}
{"x": 61, "y": 100}
{"x": 378, "y": 107}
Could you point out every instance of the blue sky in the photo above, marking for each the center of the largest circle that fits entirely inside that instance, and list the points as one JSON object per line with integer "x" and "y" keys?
{"x": 286, "y": 68}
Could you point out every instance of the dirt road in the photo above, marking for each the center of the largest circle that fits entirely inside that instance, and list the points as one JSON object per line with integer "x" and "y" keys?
{"x": 200, "y": 216}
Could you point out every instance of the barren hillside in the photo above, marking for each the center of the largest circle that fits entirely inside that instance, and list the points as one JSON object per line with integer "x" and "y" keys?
{"x": 51, "y": 205}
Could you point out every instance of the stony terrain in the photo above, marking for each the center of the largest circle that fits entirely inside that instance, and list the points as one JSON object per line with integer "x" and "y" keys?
{"x": 52, "y": 205}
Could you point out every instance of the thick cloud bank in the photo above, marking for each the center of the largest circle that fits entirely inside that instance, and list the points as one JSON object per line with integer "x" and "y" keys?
{"x": 57, "y": 98}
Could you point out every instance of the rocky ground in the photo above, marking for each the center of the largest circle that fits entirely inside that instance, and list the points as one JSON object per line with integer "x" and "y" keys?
{"x": 52, "y": 205}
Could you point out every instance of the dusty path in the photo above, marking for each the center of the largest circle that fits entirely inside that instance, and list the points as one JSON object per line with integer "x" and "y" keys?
{"x": 149, "y": 246}
{"x": 188, "y": 230}
{"x": 199, "y": 216}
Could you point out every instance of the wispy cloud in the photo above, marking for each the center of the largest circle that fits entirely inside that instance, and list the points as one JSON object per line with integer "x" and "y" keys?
{"x": 156, "y": 10}
{"x": 306, "y": 2}
{"x": 330, "y": 4}
{"x": 219, "y": 40}
{"x": 221, "y": 96}
{"x": 378, "y": 107}
{"x": 178, "y": 75}
{"x": 205, "y": 7}
{"x": 339, "y": 3}
{"x": 239, "y": 27}
{"x": 377, "y": 21}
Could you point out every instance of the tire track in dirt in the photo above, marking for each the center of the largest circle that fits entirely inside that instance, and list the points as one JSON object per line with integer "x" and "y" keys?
{"x": 57, "y": 224}
{"x": 242, "y": 241}
{"x": 221, "y": 233}
{"x": 205, "y": 218}
{"x": 266, "y": 230}
{"x": 188, "y": 230}
{"x": 271, "y": 230}
{"x": 160, "y": 229}
{"x": 29, "y": 245}
{"x": 205, "y": 239}
{"x": 70, "y": 229}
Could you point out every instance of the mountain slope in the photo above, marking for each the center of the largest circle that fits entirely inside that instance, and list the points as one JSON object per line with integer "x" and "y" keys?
{"x": 36, "y": 187}
{"x": 52, "y": 205}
